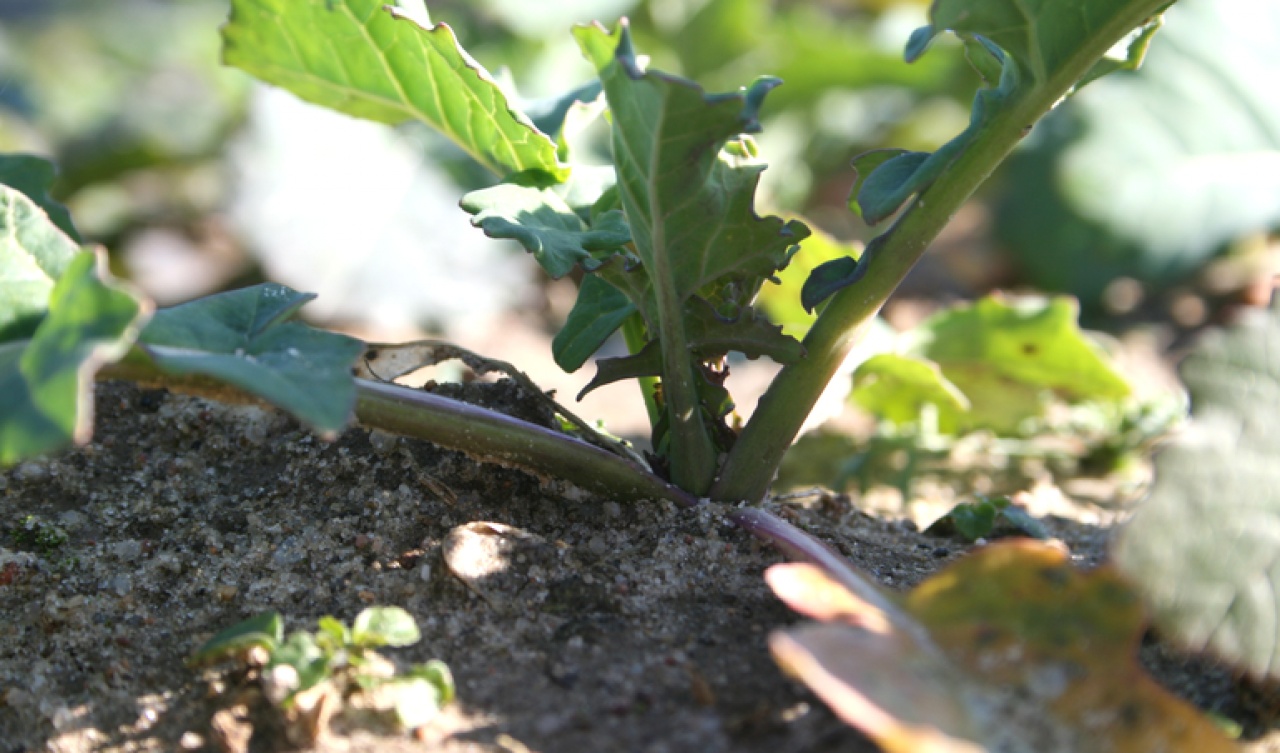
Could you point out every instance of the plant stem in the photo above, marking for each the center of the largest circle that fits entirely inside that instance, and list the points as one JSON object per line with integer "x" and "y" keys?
{"x": 782, "y": 410}
{"x": 484, "y": 435}
{"x": 633, "y": 332}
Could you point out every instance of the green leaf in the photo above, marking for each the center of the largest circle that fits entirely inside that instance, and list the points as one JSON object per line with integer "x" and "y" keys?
{"x": 265, "y": 630}
{"x": 897, "y": 387}
{"x": 545, "y": 225}
{"x": 830, "y": 277}
{"x": 890, "y": 185}
{"x": 1202, "y": 548}
{"x": 333, "y": 634}
{"x": 33, "y": 176}
{"x": 46, "y": 382}
{"x": 376, "y": 61}
{"x": 244, "y": 338}
{"x": 981, "y": 519}
{"x": 781, "y": 299}
{"x": 1004, "y": 354}
{"x": 689, "y": 205}
{"x": 864, "y": 165}
{"x": 302, "y": 653}
{"x": 710, "y": 334}
{"x": 384, "y": 626}
{"x": 34, "y": 253}
{"x": 420, "y": 692}
{"x": 599, "y": 311}
{"x": 646, "y": 363}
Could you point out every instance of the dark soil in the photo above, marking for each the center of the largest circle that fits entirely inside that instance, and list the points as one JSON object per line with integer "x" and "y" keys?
{"x": 608, "y": 627}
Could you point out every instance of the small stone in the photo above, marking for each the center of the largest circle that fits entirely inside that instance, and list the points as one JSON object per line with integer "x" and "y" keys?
{"x": 612, "y": 509}
{"x": 941, "y": 551}
{"x": 597, "y": 545}
{"x": 191, "y": 741}
{"x": 366, "y": 596}
{"x": 226, "y": 593}
{"x": 121, "y": 584}
{"x": 383, "y": 443}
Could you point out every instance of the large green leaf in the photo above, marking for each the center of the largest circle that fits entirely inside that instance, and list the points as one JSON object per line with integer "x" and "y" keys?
{"x": 1203, "y": 547}
{"x": 34, "y": 253}
{"x": 1002, "y": 356}
{"x": 545, "y": 225}
{"x": 46, "y": 382}
{"x": 33, "y": 176}
{"x": 245, "y": 338}
{"x": 597, "y": 313}
{"x": 1147, "y": 175}
{"x": 385, "y": 63}
{"x": 688, "y": 200}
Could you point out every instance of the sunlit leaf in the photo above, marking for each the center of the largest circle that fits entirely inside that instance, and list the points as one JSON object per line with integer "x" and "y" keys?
{"x": 1203, "y": 546}
{"x": 782, "y": 301}
{"x": 1009, "y": 649}
{"x": 46, "y": 382}
{"x": 378, "y": 61}
{"x": 897, "y": 387}
{"x": 245, "y": 338}
{"x": 33, "y": 176}
{"x": 34, "y": 253}
{"x": 384, "y": 626}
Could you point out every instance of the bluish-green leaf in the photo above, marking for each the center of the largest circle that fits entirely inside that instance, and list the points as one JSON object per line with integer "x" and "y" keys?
{"x": 33, "y": 176}
{"x": 545, "y": 225}
{"x": 46, "y": 382}
{"x": 1202, "y": 549}
{"x": 266, "y": 630}
{"x": 377, "y": 61}
{"x": 890, "y": 185}
{"x": 34, "y": 253}
{"x": 646, "y": 363}
{"x": 244, "y": 338}
{"x": 599, "y": 311}
{"x": 384, "y": 626}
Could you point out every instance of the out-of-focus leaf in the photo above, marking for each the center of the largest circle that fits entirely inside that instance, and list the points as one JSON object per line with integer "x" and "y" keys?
{"x": 897, "y": 387}
{"x": 377, "y": 61}
{"x": 384, "y": 626}
{"x": 419, "y": 694}
{"x": 1148, "y": 174}
{"x": 782, "y": 301}
{"x": 245, "y": 338}
{"x": 46, "y": 382}
{"x": 265, "y": 630}
{"x": 34, "y": 254}
{"x": 1003, "y": 356}
{"x": 1203, "y": 547}
{"x": 545, "y": 225}
{"x": 984, "y": 518}
{"x": 301, "y": 652}
{"x": 33, "y": 176}
{"x": 597, "y": 313}
{"x": 1009, "y": 649}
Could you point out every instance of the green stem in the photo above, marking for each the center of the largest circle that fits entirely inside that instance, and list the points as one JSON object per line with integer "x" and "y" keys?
{"x": 773, "y": 426}
{"x": 635, "y": 335}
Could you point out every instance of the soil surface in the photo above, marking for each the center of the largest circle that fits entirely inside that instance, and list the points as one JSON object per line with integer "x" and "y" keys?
{"x": 602, "y": 626}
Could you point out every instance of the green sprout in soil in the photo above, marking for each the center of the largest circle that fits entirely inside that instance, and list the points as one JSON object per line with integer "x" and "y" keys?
{"x": 311, "y": 676}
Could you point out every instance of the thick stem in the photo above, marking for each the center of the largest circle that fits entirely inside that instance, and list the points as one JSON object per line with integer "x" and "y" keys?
{"x": 782, "y": 410}
{"x": 485, "y": 435}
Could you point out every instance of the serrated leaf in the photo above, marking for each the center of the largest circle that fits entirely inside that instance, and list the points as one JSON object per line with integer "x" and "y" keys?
{"x": 376, "y": 61}
{"x": 46, "y": 382}
{"x": 545, "y": 225}
{"x": 1008, "y": 649}
{"x": 34, "y": 253}
{"x": 244, "y": 338}
{"x": 897, "y": 387}
{"x": 1202, "y": 549}
{"x": 597, "y": 313}
{"x": 33, "y": 176}
{"x": 384, "y": 626}
{"x": 709, "y": 334}
{"x": 646, "y": 363}
{"x": 265, "y": 630}
{"x": 688, "y": 202}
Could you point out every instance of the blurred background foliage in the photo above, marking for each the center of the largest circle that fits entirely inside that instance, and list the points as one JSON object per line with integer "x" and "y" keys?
{"x": 198, "y": 178}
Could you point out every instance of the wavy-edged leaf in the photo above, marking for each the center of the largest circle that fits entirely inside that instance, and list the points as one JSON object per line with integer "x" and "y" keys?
{"x": 863, "y": 166}
{"x": 541, "y": 221}
{"x": 46, "y": 382}
{"x": 646, "y": 363}
{"x": 265, "y": 631}
{"x": 897, "y": 387}
{"x": 244, "y": 338}
{"x": 34, "y": 253}
{"x": 688, "y": 201}
{"x": 597, "y": 313}
{"x": 781, "y": 300}
{"x": 1008, "y": 649}
{"x": 33, "y": 176}
{"x": 377, "y": 61}
{"x": 889, "y": 185}
{"x": 749, "y": 333}
{"x": 1203, "y": 547}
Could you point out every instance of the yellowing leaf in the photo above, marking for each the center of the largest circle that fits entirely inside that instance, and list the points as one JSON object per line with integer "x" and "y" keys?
{"x": 1009, "y": 649}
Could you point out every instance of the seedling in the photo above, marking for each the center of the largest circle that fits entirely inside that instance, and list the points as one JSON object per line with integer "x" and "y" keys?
{"x": 310, "y": 676}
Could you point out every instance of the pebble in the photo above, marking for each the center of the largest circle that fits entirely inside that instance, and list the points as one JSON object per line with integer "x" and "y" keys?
{"x": 226, "y": 593}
